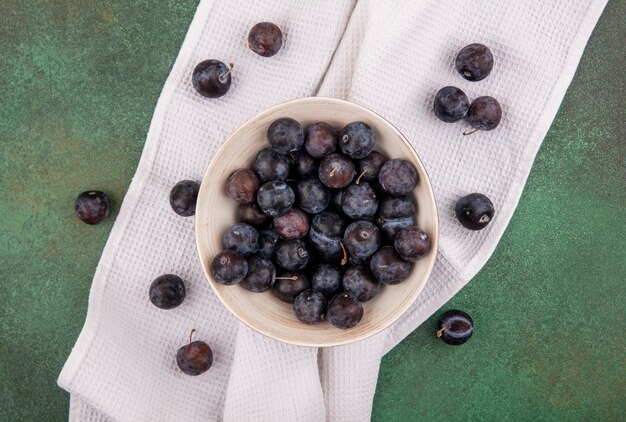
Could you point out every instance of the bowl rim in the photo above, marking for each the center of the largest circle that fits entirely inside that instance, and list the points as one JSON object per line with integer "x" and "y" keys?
{"x": 434, "y": 235}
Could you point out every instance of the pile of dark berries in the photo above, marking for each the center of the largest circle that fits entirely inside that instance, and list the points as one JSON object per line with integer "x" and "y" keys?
{"x": 324, "y": 221}
{"x": 474, "y": 62}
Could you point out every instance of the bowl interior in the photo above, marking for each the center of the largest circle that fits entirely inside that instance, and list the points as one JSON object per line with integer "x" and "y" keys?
{"x": 215, "y": 213}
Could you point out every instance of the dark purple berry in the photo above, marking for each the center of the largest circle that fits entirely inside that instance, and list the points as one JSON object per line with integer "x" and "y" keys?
{"x": 275, "y": 198}
{"x": 474, "y": 62}
{"x": 310, "y": 306}
{"x": 451, "y": 104}
{"x": 268, "y": 240}
{"x": 242, "y": 186}
{"x": 285, "y": 135}
{"x": 320, "y": 139}
{"x": 167, "y": 291}
{"x": 357, "y": 140}
{"x": 369, "y": 167}
{"x": 251, "y": 214}
{"x": 398, "y": 177}
{"x": 289, "y": 285}
{"x": 326, "y": 232}
{"x": 242, "y": 238}
{"x": 336, "y": 171}
{"x": 212, "y": 78}
{"x": 304, "y": 165}
{"x": 361, "y": 239}
{"x": 92, "y": 207}
{"x": 194, "y": 358}
{"x": 412, "y": 243}
{"x": 361, "y": 283}
{"x": 183, "y": 197}
{"x": 312, "y": 196}
{"x": 270, "y": 165}
{"x": 484, "y": 113}
{"x": 388, "y": 267}
{"x": 394, "y": 207}
{"x": 294, "y": 224}
{"x": 229, "y": 267}
{"x": 260, "y": 277}
{"x": 474, "y": 211}
{"x": 327, "y": 280}
{"x": 359, "y": 201}
{"x": 292, "y": 254}
{"x": 344, "y": 311}
{"x": 265, "y": 39}
{"x": 455, "y": 327}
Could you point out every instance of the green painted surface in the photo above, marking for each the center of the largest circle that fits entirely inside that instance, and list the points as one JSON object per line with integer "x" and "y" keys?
{"x": 80, "y": 80}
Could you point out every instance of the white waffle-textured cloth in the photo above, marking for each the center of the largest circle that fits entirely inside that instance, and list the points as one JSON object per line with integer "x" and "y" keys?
{"x": 390, "y": 56}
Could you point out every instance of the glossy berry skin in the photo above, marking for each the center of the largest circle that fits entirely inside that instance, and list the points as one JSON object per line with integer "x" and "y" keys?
{"x": 242, "y": 238}
{"x": 336, "y": 171}
{"x": 275, "y": 198}
{"x": 92, "y": 207}
{"x": 395, "y": 213}
{"x": 294, "y": 224}
{"x": 251, "y": 214}
{"x": 260, "y": 277}
{"x": 344, "y": 311}
{"x": 455, "y": 327}
{"x": 388, "y": 267}
{"x": 292, "y": 254}
{"x": 229, "y": 267}
{"x": 312, "y": 196}
{"x": 361, "y": 239}
{"x": 474, "y": 62}
{"x": 327, "y": 229}
{"x": 361, "y": 283}
{"x": 397, "y": 177}
{"x": 474, "y": 211}
{"x": 285, "y": 135}
{"x": 327, "y": 280}
{"x": 310, "y": 306}
{"x": 394, "y": 207}
{"x": 265, "y": 39}
{"x": 412, "y": 243}
{"x": 242, "y": 186}
{"x": 320, "y": 139}
{"x": 194, "y": 358}
{"x": 304, "y": 166}
{"x": 359, "y": 201}
{"x": 211, "y": 78}
{"x": 287, "y": 290}
{"x": 484, "y": 113}
{"x": 268, "y": 240}
{"x": 167, "y": 291}
{"x": 451, "y": 104}
{"x": 183, "y": 197}
{"x": 357, "y": 140}
{"x": 370, "y": 166}
{"x": 270, "y": 165}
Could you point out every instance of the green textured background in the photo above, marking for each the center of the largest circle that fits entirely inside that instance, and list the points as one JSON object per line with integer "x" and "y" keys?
{"x": 79, "y": 81}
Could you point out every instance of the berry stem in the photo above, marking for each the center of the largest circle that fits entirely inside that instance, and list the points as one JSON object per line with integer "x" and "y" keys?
{"x": 470, "y": 132}
{"x": 441, "y": 330}
{"x": 193, "y": 330}
{"x": 335, "y": 168}
{"x": 344, "y": 260}
{"x": 358, "y": 179}
{"x": 292, "y": 278}
{"x": 230, "y": 69}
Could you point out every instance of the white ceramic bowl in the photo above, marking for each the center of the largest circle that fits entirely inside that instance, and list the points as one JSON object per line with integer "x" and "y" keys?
{"x": 215, "y": 213}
